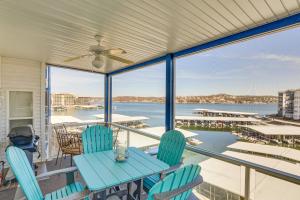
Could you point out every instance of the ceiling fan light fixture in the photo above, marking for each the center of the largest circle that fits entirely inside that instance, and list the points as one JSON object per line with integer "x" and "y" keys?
{"x": 98, "y": 62}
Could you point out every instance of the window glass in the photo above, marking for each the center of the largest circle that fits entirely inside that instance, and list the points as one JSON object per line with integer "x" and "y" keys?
{"x": 20, "y": 104}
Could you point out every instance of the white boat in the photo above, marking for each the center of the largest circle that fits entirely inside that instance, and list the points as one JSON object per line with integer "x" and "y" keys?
{"x": 297, "y": 141}
{"x": 193, "y": 141}
{"x": 276, "y": 141}
{"x": 287, "y": 141}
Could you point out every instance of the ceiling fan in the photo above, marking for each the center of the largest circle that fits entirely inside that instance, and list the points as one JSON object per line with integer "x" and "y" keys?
{"x": 99, "y": 51}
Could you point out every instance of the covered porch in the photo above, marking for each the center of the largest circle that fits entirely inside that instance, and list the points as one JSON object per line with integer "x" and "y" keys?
{"x": 36, "y": 36}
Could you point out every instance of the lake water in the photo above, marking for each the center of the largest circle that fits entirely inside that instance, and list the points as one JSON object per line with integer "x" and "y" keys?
{"x": 212, "y": 140}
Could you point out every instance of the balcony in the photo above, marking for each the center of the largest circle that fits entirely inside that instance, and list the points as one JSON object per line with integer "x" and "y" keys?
{"x": 111, "y": 38}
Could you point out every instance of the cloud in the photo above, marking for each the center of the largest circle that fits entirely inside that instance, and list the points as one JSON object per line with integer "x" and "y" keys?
{"x": 281, "y": 58}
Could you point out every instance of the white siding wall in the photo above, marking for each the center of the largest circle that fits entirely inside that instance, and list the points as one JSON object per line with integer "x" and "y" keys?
{"x": 20, "y": 74}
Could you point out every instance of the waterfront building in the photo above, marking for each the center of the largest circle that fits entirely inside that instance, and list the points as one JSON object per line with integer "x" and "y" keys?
{"x": 88, "y": 100}
{"x": 281, "y": 106}
{"x": 296, "y": 114}
{"x": 289, "y": 104}
{"x": 63, "y": 99}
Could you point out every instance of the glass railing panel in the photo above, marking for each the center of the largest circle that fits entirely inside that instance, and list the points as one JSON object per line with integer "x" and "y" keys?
{"x": 222, "y": 180}
{"x": 267, "y": 187}
{"x": 134, "y": 139}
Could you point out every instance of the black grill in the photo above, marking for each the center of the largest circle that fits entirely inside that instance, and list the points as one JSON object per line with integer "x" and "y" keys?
{"x": 23, "y": 137}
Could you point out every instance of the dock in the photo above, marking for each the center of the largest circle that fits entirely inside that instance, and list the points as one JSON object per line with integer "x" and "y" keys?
{"x": 222, "y": 113}
{"x": 267, "y": 150}
{"x": 275, "y": 130}
{"x": 140, "y": 141}
{"x": 269, "y": 133}
{"x": 214, "y": 122}
{"x": 88, "y": 107}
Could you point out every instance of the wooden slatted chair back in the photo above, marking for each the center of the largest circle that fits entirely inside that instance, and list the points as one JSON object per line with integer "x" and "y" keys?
{"x": 171, "y": 147}
{"x": 179, "y": 178}
{"x": 24, "y": 173}
{"x": 97, "y": 138}
{"x": 61, "y": 131}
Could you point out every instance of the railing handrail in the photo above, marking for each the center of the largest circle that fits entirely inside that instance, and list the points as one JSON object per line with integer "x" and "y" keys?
{"x": 259, "y": 168}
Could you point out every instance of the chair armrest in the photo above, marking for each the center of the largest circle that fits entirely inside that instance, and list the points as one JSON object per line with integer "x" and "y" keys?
{"x": 169, "y": 170}
{"x": 174, "y": 193}
{"x": 79, "y": 195}
{"x": 56, "y": 172}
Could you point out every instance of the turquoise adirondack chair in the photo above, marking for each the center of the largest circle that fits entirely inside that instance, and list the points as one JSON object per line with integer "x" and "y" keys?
{"x": 97, "y": 138}
{"x": 29, "y": 183}
{"x": 170, "y": 151}
{"x": 177, "y": 185}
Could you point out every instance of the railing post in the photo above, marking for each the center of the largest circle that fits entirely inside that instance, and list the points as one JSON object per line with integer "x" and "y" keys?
{"x": 128, "y": 138}
{"x": 170, "y": 93}
{"x": 247, "y": 183}
{"x": 48, "y": 90}
{"x": 107, "y": 98}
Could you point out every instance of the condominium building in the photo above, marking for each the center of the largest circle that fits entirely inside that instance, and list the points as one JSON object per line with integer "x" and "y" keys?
{"x": 296, "y": 114}
{"x": 289, "y": 104}
{"x": 62, "y": 99}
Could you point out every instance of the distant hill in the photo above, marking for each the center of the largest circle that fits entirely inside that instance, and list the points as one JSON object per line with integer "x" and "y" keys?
{"x": 216, "y": 99}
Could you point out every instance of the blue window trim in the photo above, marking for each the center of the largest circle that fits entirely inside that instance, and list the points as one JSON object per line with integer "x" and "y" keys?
{"x": 107, "y": 98}
{"x": 170, "y": 93}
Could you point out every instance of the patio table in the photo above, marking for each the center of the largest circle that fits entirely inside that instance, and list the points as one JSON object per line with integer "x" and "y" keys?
{"x": 100, "y": 171}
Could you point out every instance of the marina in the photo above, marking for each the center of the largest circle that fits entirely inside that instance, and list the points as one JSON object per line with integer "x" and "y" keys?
{"x": 214, "y": 122}
{"x": 283, "y": 153}
{"x": 268, "y": 133}
{"x": 222, "y": 113}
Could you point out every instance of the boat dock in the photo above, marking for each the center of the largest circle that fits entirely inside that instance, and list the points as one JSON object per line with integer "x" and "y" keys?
{"x": 214, "y": 122}
{"x": 145, "y": 142}
{"x": 88, "y": 107}
{"x": 283, "y": 153}
{"x": 222, "y": 113}
{"x": 130, "y": 121}
{"x": 269, "y": 133}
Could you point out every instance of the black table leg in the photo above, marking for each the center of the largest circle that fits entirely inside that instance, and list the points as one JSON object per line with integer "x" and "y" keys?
{"x": 100, "y": 195}
{"x": 128, "y": 191}
{"x": 139, "y": 189}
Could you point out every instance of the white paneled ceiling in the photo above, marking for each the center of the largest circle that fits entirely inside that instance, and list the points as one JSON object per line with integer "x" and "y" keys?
{"x": 51, "y": 31}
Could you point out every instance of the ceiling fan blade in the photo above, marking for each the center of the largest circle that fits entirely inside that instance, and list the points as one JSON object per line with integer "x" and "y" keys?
{"x": 114, "y": 51}
{"x": 75, "y": 58}
{"x": 122, "y": 60}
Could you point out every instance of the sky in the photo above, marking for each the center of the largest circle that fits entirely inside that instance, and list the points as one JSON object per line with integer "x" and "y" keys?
{"x": 260, "y": 66}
